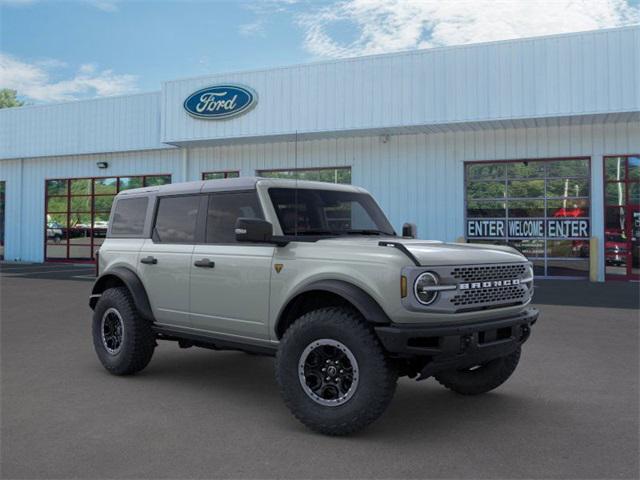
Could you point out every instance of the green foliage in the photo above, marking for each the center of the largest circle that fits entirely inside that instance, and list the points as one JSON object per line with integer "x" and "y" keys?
{"x": 8, "y": 98}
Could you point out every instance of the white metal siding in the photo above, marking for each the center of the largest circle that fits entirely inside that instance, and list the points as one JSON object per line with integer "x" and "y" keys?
{"x": 113, "y": 124}
{"x": 558, "y": 76}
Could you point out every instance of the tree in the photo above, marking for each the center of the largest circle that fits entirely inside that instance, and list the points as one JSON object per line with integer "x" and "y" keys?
{"x": 8, "y": 98}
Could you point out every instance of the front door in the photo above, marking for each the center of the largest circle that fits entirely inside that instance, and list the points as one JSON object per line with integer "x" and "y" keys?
{"x": 165, "y": 259}
{"x": 622, "y": 217}
{"x": 229, "y": 280}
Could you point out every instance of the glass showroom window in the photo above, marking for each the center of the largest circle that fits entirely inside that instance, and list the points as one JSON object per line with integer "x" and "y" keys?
{"x": 220, "y": 175}
{"x": 329, "y": 175}
{"x": 540, "y": 207}
{"x": 77, "y": 212}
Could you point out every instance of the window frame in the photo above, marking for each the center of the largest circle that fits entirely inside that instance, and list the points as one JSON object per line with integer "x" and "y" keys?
{"x": 92, "y": 246}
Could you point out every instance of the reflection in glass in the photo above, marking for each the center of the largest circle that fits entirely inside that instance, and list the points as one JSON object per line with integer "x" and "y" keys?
{"x": 568, "y": 248}
{"x": 220, "y": 175}
{"x": 103, "y": 203}
{"x": 634, "y": 193}
{"x": 525, "y": 188}
{"x": 105, "y": 186}
{"x": 157, "y": 180}
{"x": 56, "y": 187}
{"x": 57, "y": 250}
{"x": 127, "y": 183}
{"x": 614, "y": 219}
{"x": 485, "y": 171}
{"x": 614, "y": 168}
{"x": 529, "y": 248}
{"x": 80, "y": 204}
{"x": 568, "y": 188}
{"x": 485, "y": 190}
{"x": 525, "y": 170}
{"x": 634, "y": 168}
{"x": 615, "y": 193}
{"x": 485, "y": 209}
{"x": 57, "y": 204}
{"x": 81, "y": 186}
{"x": 568, "y": 208}
{"x": 568, "y": 168}
{"x": 79, "y": 253}
{"x": 525, "y": 208}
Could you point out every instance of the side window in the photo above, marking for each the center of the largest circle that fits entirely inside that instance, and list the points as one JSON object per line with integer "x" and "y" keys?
{"x": 224, "y": 210}
{"x": 176, "y": 219}
{"x": 129, "y": 215}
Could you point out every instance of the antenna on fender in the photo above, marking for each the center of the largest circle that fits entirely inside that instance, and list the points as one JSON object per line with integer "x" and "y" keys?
{"x": 295, "y": 197}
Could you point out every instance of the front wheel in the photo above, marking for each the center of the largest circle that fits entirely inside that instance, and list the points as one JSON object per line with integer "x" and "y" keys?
{"x": 123, "y": 340}
{"x": 480, "y": 378}
{"x": 333, "y": 373}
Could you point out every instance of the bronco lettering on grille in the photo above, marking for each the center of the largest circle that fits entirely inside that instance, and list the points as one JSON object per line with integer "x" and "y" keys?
{"x": 491, "y": 284}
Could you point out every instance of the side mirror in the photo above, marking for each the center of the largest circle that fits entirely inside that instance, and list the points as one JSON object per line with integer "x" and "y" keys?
{"x": 253, "y": 230}
{"x": 409, "y": 230}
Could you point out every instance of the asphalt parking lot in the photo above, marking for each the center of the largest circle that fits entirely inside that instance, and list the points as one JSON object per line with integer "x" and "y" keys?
{"x": 569, "y": 411}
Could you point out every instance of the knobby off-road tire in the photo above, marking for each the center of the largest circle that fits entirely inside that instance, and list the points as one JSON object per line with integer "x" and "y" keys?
{"x": 481, "y": 379}
{"x": 115, "y": 312}
{"x": 341, "y": 336}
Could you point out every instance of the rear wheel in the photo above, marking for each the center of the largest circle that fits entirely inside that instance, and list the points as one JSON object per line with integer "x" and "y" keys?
{"x": 480, "y": 378}
{"x": 123, "y": 340}
{"x": 333, "y": 373}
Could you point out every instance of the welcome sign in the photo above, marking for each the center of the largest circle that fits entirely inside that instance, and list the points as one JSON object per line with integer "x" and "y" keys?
{"x": 528, "y": 228}
{"x": 220, "y": 102}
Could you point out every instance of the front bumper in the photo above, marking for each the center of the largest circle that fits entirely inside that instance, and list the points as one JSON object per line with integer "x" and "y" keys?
{"x": 447, "y": 347}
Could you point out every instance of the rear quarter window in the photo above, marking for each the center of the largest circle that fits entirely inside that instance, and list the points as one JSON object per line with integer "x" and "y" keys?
{"x": 129, "y": 216}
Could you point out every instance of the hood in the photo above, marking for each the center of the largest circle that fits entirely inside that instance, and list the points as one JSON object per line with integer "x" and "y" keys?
{"x": 432, "y": 253}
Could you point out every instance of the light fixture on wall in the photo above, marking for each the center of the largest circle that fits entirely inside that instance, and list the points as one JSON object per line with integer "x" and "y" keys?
{"x": 384, "y": 138}
{"x": 102, "y": 164}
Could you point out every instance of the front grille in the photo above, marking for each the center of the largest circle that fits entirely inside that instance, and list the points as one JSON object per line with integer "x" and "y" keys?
{"x": 494, "y": 295}
{"x": 489, "y": 272}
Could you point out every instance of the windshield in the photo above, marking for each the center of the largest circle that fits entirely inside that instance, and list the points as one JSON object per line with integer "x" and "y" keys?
{"x": 328, "y": 212}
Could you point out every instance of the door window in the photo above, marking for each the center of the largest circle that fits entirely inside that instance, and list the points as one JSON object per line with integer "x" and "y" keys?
{"x": 176, "y": 219}
{"x": 224, "y": 209}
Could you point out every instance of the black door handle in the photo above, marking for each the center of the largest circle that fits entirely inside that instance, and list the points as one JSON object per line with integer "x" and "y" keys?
{"x": 205, "y": 263}
{"x": 149, "y": 260}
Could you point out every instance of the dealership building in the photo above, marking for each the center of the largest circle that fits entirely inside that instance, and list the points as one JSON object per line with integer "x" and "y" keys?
{"x": 531, "y": 142}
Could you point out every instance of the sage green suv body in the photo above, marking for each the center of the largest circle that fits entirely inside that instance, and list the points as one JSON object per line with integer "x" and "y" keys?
{"x": 314, "y": 274}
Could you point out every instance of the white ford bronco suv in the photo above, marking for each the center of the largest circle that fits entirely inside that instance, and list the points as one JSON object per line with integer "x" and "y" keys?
{"x": 314, "y": 274}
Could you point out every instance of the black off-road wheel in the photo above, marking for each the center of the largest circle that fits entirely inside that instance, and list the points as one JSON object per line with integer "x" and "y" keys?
{"x": 332, "y": 372}
{"x": 122, "y": 339}
{"x": 480, "y": 378}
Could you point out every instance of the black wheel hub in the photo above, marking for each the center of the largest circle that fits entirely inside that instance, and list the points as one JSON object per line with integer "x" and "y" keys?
{"x": 112, "y": 331}
{"x": 328, "y": 372}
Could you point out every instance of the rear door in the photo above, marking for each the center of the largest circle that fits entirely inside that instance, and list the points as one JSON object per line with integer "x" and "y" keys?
{"x": 230, "y": 280}
{"x": 165, "y": 259}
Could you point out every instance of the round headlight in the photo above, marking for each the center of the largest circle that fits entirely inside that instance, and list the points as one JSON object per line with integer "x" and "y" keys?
{"x": 423, "y": 288}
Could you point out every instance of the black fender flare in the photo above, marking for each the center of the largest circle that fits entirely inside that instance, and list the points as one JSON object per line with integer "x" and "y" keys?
{"x": 356, "y": 296}
{"x": 133, "y": 284}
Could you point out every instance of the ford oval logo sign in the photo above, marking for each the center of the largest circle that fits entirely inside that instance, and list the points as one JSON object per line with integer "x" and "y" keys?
{"x": 220, "y": 102}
